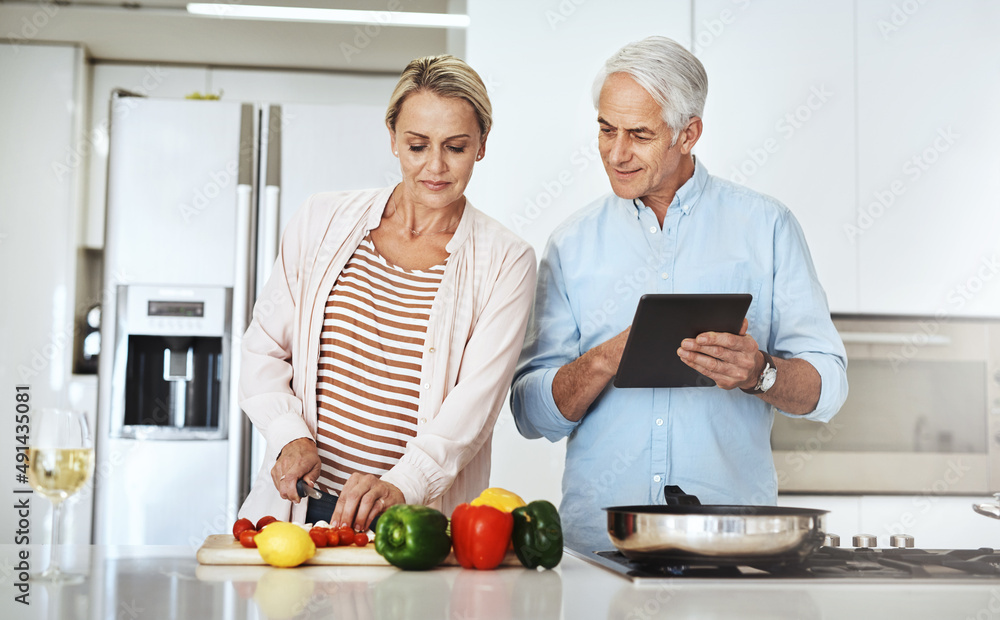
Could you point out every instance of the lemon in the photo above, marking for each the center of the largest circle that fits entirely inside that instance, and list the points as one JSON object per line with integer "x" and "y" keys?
{"x": 284, "y": 544}
{"x": 283, "y": 594}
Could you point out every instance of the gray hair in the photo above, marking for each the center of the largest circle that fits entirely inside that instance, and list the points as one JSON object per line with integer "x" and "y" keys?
{"x": 671, "y": 75}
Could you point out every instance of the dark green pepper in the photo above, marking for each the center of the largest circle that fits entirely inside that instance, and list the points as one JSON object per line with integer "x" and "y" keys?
{"x": 537, "y": 537}
{"x": 412, "y": 537}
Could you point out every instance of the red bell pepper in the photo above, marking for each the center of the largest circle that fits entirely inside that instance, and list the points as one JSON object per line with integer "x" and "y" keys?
{"x": 480, "y": 535}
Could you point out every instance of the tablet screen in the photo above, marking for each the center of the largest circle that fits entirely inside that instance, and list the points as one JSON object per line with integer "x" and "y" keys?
{"x": 661, "y": 322}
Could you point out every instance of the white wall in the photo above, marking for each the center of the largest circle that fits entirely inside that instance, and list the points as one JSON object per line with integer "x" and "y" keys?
{"x": 539, "y": 61}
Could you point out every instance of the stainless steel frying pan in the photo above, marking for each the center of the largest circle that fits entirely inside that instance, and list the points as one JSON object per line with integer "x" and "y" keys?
{"x": 688, "y": 532}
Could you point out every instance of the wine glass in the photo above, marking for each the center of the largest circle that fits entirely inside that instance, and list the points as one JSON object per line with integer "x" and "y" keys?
{"x": 60, "y": 462}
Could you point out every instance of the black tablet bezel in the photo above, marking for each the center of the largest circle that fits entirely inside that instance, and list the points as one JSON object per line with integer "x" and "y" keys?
{"x": 661, "y": 322}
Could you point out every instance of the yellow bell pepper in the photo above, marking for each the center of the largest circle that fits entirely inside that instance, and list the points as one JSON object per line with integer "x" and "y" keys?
{"x": 501, "y": 499}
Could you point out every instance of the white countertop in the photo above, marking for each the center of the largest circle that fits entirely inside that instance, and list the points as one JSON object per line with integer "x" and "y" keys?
{"x": 147, "y": 583}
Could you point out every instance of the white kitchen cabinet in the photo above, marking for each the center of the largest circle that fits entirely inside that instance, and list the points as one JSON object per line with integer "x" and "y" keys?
{"x": 780, "y": 117}
{"x": 928, "y": 182}
{"x": 844, "y": 517}
{"x": 934, "y": 521}
{"x": 539, "y": 61}
{"x": 42, "y": 112}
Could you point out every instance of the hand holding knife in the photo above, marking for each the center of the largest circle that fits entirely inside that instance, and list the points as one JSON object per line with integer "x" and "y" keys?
{"x": 304, "y": 489}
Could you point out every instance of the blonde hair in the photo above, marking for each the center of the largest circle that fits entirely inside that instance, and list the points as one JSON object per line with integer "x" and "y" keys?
{"x": 445, "y": 76}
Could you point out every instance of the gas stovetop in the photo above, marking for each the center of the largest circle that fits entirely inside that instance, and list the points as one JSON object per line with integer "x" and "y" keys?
{"x": 826, "y": 563}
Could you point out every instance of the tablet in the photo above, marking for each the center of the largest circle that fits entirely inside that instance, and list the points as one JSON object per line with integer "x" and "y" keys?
{"x": 661, "y": 322}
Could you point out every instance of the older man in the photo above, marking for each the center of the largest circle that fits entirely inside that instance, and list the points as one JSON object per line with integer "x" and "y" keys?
{"x": 670, "y": 227}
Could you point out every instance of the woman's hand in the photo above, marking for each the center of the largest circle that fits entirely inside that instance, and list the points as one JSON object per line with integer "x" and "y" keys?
{"x": 363, "y": 498}
{"x": 298, "y": 459}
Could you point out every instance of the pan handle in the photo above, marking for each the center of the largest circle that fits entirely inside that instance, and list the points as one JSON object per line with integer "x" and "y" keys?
{"x": 673, "y": 495}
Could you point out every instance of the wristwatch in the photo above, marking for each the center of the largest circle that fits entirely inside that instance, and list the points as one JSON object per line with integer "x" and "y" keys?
{"x": 767, "y": 376}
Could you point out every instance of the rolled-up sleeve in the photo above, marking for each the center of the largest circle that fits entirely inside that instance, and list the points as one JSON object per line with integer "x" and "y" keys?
{"x": 801, "y": 323}
{"x": 552, "y": 340}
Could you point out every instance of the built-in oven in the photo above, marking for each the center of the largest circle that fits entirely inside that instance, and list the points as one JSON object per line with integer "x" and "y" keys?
{"x": 923, "y": 414}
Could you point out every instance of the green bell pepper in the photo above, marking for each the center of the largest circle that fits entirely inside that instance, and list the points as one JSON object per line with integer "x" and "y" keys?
{"x": 412, "y": 537}
{"x": 537, "y": 536}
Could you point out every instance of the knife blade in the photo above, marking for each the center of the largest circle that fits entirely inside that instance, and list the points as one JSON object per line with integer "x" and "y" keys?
{"x": 304, "y": 489}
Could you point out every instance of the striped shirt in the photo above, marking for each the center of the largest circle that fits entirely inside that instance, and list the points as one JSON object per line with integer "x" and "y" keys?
{"x": 371, "y": 350}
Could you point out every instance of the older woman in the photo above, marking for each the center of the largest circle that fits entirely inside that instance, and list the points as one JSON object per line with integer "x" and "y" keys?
{"x": 382, "y": 346}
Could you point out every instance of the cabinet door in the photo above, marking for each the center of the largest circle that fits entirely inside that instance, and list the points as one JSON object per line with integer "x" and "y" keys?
{"x": 539, "y": 61}
{"x": 928, "y": 96}
{"x": 780, "y": 117}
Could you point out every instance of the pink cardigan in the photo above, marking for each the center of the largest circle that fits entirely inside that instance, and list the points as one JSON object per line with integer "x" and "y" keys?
{"x": 473, "y": 340}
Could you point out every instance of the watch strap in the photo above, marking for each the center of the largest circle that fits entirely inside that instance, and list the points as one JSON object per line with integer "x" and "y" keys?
{"x": 768, "y": 364}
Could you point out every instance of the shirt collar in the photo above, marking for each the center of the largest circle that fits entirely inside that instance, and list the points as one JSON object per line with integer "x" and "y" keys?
{"x": 687, "y": 197}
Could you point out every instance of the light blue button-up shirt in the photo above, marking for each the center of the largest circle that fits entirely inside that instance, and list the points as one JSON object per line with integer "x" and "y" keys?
{"x": 717, "y": 237}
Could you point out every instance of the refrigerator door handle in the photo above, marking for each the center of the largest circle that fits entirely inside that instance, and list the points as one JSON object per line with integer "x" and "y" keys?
{"x": 237, "y": 421}
{"x": 269, "y": 225}
{"x": 269, "y": 231}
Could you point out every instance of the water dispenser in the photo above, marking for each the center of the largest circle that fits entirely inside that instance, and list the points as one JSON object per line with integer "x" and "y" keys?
{"x": 171, "y": 364}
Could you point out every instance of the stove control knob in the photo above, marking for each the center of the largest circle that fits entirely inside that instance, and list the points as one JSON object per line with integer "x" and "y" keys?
{"x": 831, "y": 540}
{"x": 901, "y": 541}
{"x": 866, "y": 541}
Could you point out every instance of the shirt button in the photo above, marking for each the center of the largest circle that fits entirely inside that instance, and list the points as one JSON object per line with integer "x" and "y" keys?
{"x": 659, "y": 421}
{"x": 664, "y": 275}
{"x": 430, "y": 350}
{"x": 423, "y": 420}
{"x": 427, "y": 386}
{"x": 652, "y": 229}
{"x": 656, "y": 478}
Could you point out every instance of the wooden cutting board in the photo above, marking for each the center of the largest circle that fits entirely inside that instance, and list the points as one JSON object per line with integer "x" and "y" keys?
{"x": 223, "y": 549}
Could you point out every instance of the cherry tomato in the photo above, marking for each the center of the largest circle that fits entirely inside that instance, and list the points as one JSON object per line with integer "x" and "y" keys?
{"x": 318, "y": 536}
{"x": 346, "y": 535}
{"x": 332, "y": 538}
{"x": 361, "y": 539}
{"x": 241, "y": 526}
{"x": 246, "y": 539}
{"x": 264, "y": 521}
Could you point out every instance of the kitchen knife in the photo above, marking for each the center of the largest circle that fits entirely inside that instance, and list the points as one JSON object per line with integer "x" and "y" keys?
{"x": 304, "y": 489}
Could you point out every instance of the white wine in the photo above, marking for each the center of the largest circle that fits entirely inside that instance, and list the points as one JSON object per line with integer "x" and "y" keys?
{"x": 58, "y": 473}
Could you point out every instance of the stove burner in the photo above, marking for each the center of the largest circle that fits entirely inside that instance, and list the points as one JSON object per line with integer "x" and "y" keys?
{"x": 825, "y": 563}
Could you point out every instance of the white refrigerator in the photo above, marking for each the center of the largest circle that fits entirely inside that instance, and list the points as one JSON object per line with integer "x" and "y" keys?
{"x": 198, "y": 194}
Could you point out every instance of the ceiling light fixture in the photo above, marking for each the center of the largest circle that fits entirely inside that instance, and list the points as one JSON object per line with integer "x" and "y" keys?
{"x": 336, "y": 16}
